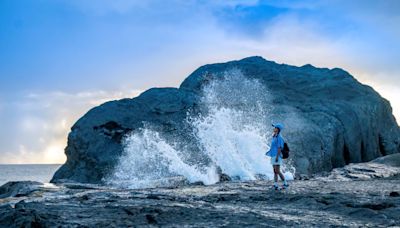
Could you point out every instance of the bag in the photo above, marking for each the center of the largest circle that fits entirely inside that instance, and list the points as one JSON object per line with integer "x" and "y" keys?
{"x": 285, "y": 151}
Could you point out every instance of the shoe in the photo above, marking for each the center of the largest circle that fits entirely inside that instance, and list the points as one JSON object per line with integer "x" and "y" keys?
{"x": 276, "y": 187}
{"x": 284, "y": 186}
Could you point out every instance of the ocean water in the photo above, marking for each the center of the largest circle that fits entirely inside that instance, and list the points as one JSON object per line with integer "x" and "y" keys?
{"x": 37, "y": 172}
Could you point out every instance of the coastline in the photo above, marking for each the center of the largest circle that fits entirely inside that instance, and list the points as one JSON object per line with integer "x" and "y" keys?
{"x": 363, "y": 194}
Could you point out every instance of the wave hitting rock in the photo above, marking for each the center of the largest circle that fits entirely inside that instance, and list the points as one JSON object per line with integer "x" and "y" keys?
{"x": 220, "y": 118}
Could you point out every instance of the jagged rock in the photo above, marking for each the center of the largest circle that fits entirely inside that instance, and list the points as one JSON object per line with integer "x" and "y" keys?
{"x": 223, "y": 177}
{"x": 338, "y": 120}
{"x": 19, "y": 188}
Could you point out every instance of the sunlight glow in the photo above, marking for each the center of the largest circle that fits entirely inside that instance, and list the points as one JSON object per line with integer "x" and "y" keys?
{"x": 54, "y": 154}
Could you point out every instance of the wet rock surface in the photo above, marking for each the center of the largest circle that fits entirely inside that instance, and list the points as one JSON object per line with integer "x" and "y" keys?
{"x": 19, "y": 188}
{"x": 318, "y": 202}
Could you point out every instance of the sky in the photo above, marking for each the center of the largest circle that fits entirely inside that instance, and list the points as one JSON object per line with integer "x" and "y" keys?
{"x": 59, "y": 58}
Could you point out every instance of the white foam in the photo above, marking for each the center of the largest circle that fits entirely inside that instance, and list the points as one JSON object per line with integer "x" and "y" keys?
{"x": 234, "y": 134}
{"x": 148, "y": 159}
{"x": 237, "y": 149}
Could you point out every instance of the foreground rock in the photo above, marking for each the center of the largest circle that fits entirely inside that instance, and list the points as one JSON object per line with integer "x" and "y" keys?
{"x": 332, "y": 120}
{"x": 317, "y": 202}
{"x": 19, "y": 188}
{"x": 386, "y": 166}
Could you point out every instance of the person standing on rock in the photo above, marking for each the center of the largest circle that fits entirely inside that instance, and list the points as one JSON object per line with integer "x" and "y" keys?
{"x": 275, "y": 152}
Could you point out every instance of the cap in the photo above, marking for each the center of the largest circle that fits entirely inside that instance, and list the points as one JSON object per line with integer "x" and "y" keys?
{"x": 278, "y": 125}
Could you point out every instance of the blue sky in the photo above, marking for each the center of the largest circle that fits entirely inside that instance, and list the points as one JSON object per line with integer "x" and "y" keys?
{"x": 59, "y": 58}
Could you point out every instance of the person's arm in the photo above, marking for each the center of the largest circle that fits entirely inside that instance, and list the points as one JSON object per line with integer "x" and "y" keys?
{"x": 277, "y": 155}
{"x": 280, "y": 146}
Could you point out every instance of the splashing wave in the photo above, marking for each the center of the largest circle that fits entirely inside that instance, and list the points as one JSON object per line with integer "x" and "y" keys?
{"x": 233, "y": 134}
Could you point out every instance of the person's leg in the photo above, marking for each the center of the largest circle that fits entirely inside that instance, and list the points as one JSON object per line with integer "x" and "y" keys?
{"x": 275, "y": 176}
{"x": 281, "y": 176}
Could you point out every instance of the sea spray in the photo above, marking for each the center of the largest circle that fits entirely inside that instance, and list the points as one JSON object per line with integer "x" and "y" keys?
{"x": 237, "y": 149}
{"x": 233, "y": 131}
{"x": 150, "y": 161}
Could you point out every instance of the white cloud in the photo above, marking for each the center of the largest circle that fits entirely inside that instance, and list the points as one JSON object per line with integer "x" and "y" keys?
{"x": 102, "y": 7}
{"x": 287, "y": 39}
{"x": 39, "y": 124}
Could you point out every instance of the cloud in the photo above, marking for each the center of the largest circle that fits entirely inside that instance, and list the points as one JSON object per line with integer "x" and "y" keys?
{"x": 294, "y": 39}
{"x": 35, "y": 126}
{"x": 141, "y": 44}
{"x": 102, "y": 7}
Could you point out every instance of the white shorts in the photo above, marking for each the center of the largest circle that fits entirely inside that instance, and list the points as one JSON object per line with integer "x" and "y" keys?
{"x": 274, "y": 162}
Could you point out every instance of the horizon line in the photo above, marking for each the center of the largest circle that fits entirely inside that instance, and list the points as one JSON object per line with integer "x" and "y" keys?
{"x": 32, "y": 163}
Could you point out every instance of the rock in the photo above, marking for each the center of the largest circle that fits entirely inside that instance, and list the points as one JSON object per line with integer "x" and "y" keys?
{"x": 199, "y": 183}
{"x": 363, "y": 212}
{"x": 331, "y": 119}
{"x": 386, "y": 166}
{"x": 223, "y": 177}
{"x": 394, "y": 194}
{"x": 391, "y": 160}
{"x": 151, "y": 219}
{"x": 234, "y": 204}
{"x": 303, "y": 177}
{"x": 79, "y": 186}
{"x": 378, "y": 206}
{"x": 19, "y": 188}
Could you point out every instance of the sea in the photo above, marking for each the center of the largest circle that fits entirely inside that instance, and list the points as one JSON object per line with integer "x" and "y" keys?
{"x": 22, "y": 172}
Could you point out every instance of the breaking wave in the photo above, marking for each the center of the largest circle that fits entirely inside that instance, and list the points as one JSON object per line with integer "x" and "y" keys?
{"x": 233, "y": 134}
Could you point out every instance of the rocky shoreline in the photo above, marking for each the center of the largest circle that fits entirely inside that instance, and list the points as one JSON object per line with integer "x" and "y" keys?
{"x": 365, "y": 194}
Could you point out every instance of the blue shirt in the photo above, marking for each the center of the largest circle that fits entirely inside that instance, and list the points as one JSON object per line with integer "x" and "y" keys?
{"x": 277, "y": 142}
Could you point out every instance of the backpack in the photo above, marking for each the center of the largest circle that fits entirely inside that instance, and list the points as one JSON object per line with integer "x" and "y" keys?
{"x": 285, "y": 151}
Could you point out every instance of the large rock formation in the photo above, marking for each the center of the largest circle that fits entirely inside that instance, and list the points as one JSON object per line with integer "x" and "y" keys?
{"x": 331, "y": 119}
